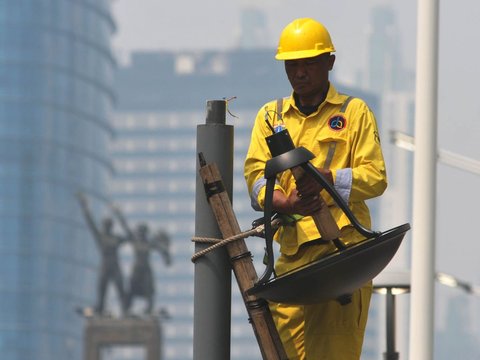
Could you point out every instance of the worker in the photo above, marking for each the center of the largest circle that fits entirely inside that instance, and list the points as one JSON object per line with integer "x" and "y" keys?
{"x": 342, "y": 133}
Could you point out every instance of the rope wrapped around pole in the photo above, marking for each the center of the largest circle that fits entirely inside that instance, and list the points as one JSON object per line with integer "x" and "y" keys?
{"x": 222, "y": 242}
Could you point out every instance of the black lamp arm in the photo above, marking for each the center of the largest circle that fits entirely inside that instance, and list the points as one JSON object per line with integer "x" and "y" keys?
{"x": 311, "y": 170}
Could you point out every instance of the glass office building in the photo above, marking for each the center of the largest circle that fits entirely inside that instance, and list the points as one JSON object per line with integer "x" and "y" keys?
{"x": 55, "y": 96}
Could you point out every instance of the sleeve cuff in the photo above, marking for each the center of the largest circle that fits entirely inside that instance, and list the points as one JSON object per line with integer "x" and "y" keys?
{"x": 343, "y": 183}
{"x": 257, "y": 196}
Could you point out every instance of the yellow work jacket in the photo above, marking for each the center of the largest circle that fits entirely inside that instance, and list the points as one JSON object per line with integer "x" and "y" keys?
{"x": 343, "y": 136}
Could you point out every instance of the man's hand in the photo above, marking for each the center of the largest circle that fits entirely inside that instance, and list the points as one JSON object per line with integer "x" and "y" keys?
{"x": 308, "y": 186}
{"x": 305, "y": 199}
{"x": 296, "y": 203}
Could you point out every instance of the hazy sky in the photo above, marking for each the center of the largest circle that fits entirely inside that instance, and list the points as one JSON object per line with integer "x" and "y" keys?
{"x": 214, "y": 24}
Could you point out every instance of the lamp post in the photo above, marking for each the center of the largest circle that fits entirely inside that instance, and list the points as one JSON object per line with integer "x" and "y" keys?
{"x": 424, "y": 182}
{"x": 397, "y": 283}
{"x": 391, "y": 284}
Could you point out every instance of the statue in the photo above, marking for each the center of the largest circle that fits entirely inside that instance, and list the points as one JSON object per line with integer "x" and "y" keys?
{"x": 108, "y": 244}
{"x": 141, "y": 280}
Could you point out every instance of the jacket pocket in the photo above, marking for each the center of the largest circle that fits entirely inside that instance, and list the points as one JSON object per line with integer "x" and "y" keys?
{"x": 329, "y": 151}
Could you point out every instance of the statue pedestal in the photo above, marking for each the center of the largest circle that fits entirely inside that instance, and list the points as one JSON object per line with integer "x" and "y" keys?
{"x": 105, "y": 331}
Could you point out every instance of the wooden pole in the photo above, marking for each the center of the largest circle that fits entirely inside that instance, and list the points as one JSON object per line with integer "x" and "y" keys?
{"x": 324, "y": 221}
{"x": 260, "y": 317}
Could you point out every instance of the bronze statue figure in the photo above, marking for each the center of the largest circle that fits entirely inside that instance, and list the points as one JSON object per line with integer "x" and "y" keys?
{"x": 108, "y": 244}
{"x": 141, "y": 280}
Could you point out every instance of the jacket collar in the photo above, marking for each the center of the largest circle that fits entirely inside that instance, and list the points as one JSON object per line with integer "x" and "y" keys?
{"x": 333, "y": 97}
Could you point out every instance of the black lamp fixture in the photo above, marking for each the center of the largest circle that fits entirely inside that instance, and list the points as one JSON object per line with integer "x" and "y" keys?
{"x": 336, "y": 275}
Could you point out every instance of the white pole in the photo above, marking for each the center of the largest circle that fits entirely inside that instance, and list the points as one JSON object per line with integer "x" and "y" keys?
{"x": 424, "y": 187}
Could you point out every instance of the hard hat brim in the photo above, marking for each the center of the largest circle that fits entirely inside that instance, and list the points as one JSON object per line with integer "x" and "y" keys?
{"x": 304, "y": 54}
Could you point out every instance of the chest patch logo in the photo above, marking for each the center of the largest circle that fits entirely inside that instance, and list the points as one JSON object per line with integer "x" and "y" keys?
{"x": 337, "y": 122}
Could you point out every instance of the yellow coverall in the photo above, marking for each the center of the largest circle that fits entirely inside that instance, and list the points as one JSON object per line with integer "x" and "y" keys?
{"x": 343, "y": 136}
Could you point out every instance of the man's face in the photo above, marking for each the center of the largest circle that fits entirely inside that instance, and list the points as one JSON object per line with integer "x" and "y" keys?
{"x": 309, "y": 77}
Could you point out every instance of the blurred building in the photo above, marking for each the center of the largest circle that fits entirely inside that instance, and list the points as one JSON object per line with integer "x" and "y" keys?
{"x": 393, "y": 84}
{"x": 455, "y": 329}
{"x": 395, "y": 87}
{"x": 253, "y": 25}
{"x": 161, "y": 100}
{"x": 55, "y": 97}
{"x": 384, "y": 62}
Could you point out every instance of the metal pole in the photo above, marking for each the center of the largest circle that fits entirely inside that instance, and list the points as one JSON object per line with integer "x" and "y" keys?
{"x": 212, "y": 278}
{"x": 391, "y": 353}
{"x": 424, "y": 187}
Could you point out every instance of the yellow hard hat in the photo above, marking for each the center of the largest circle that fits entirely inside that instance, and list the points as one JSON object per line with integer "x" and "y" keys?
{"x": 303, "y": 38}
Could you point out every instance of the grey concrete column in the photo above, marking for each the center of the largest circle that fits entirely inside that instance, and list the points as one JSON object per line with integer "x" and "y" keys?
{"x": 212, "y": 293}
